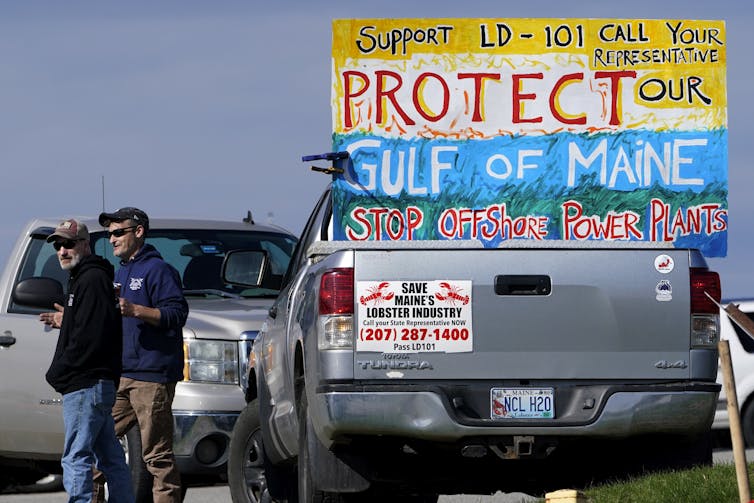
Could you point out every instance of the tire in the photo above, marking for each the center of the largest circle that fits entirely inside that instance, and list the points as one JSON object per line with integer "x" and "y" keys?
{"x": 246, "y": 474}
{"x": 279, "y": 472}
{"x": 307, "y": 491}
{"x": 747, "y": 424}
{"x": 141, "y": 479}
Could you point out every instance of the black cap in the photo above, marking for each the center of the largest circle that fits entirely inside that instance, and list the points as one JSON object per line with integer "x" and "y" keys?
{"x": 127, "y": 213}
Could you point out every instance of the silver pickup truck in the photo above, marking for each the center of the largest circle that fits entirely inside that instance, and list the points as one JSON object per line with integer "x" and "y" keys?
{"x": 223, "y": 321}
{"x": 391, "y": 371}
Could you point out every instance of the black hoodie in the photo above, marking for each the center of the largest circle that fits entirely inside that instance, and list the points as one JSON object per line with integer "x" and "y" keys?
{"x": 90, "y": 344}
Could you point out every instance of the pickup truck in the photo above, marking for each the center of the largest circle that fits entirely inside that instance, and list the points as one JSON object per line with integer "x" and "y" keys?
{"x": 223, "y": 322}
{"x": 391, "y": 371}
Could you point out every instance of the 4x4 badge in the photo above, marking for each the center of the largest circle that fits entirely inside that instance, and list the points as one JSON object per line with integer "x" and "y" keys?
{"x": 664, "y": 364}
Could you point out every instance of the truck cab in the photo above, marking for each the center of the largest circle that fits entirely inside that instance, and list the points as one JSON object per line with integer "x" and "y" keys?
{"x": 224, "y": 319}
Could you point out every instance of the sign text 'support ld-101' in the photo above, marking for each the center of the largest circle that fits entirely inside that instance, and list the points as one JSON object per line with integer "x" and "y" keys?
{"x": 583, "y": 129}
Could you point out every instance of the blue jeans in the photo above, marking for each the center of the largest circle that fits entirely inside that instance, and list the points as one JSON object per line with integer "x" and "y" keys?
{"x": 90, "y": 440}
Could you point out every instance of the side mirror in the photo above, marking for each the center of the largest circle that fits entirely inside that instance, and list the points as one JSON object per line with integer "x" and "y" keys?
{"x": 245, "y": 267}
{"x": 38, "y": 292}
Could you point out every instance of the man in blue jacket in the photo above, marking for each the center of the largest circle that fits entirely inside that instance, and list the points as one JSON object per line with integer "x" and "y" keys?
{"x": 154, "y": 312}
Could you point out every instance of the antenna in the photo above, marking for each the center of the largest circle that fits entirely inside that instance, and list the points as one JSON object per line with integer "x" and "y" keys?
{"x": 103, "y": 193}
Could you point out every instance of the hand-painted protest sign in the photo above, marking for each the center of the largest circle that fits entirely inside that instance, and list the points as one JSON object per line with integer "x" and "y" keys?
{"x": 500, "y": 129}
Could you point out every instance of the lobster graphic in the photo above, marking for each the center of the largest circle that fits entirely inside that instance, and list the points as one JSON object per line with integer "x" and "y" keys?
{"x": 452, "y": 294}
{"x": 499, "y": 408}
{"x": 376, "y": 294}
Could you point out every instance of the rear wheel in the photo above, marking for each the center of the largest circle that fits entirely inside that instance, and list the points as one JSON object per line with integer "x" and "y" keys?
{"x": 306, "y": 488}
{"x": 747, "y": 424}
{"x": 246, "y": 474}
{"x": 141, "y": 479}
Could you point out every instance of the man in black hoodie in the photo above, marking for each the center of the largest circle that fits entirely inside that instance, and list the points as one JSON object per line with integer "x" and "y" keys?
{"x": 86, "y": 367}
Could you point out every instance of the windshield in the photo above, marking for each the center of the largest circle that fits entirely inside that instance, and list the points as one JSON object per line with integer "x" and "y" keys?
{"x": 198, "y": 256}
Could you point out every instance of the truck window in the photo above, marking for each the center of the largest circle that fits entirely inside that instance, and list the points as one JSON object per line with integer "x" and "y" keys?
{"x": 40, "y": 260}
{"x": 198, "y": 255}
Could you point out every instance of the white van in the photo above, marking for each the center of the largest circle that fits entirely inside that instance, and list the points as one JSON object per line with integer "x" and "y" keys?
{"x": 742, "y": 356}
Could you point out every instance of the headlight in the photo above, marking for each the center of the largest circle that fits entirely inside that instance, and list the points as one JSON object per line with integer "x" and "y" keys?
{"x": 246, "y": 356}
{"x": 210, "y": 361}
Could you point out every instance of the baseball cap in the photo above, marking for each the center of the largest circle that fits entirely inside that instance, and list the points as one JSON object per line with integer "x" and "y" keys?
{"x": 127, "y": 213}
{"x": 69, "y": 229}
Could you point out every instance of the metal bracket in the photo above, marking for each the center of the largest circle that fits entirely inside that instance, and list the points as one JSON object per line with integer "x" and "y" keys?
{"x": 328, "y": 171}
{"x": 328, "y": 156}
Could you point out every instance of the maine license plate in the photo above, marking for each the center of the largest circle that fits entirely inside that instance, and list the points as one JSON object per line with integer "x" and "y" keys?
{"x": 522, "y": 403}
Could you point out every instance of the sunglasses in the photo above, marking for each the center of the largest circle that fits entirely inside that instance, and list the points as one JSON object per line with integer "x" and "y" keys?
{"x": 121, "y": 232}
{"x": 68, "y": 244}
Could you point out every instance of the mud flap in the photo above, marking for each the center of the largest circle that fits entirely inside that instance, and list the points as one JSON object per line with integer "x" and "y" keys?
{"x": 330, "y": 471}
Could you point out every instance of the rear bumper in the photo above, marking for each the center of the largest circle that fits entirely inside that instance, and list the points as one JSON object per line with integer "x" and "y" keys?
{"x": 619, "y": 412}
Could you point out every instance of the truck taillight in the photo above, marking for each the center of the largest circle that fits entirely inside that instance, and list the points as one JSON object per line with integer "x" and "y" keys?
{"x": 336, "y": 309}
{"x": 704, "y": 282}
{"x": 336, "y": 292}
{"x": 705, "y": 314}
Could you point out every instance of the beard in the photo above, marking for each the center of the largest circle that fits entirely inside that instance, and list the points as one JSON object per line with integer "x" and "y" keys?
{"x": 73, "y": 261}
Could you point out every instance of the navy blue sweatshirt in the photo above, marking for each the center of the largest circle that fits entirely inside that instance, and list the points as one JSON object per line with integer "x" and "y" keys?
{"x": 153, "y": 354}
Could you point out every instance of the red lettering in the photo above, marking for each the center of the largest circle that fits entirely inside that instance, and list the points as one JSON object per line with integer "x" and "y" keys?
{"x": 414, "y": 218}
{"x": 721, "y": 223}
{"x": 678, "y": 224}
{"x": 389, "y": 103}
{"x": 394, "y": 220}
{"x": 384, "y": 94}
{"x": 359, "y": 214}
{"x": 518, "y": 96}
{"x": 348, "y": 94}
{"x": 391, "y": 223}
{"x": 463, "y": 219}
{"x": 568, "y": 218}
{"x": 378, "y": 214}
{"x": 615, "y": 226}
{"x": 489, "y": 222}
{"x": 555, "y": 103}
{"x": 658, "y": 217}
{"x": 420, "y": 104}
{"x": 615, "y": 103}
{"x": 447, "y": 216}
{"x": 709, "y": 210}
{"x": 491, "y": 226}
{"x": 478, "y": 113}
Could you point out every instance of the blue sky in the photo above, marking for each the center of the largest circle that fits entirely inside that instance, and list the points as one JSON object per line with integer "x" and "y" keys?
{"x": 204, "y": 109}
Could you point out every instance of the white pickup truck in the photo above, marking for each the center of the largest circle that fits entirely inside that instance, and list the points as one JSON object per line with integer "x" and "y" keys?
{"x": 397, "y": 371}
{"x": 223, "y": 321}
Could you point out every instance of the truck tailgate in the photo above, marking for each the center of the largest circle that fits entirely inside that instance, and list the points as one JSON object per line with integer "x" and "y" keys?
{"x": 535, "y": 314}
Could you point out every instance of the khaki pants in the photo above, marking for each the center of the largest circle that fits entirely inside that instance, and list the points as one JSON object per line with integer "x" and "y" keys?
{"x": 149, "y": 405}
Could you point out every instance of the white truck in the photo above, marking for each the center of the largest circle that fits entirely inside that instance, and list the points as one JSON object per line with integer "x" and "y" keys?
{"x": 391, "y": 371}
{"x": 224, "y": 319}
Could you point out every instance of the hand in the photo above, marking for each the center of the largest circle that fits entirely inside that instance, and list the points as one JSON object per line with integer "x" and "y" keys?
{"x": 150, "y": 315}
{"x": 127, "y": 308}
{"x": 54, "y": 318}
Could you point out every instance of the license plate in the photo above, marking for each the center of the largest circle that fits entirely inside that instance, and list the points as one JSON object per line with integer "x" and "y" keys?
{"x": 522, "y": 403}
